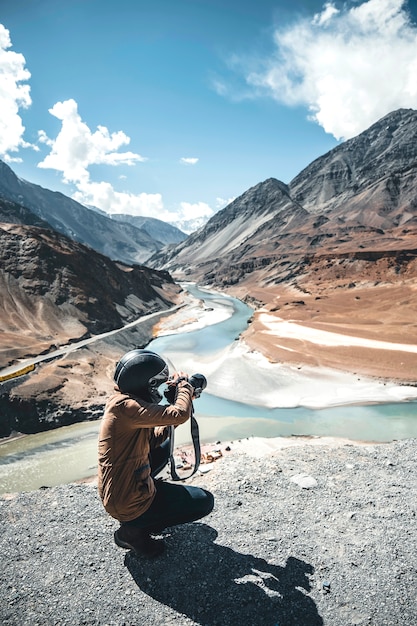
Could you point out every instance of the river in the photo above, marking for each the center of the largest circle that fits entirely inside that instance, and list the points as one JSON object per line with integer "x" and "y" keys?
{"x": 70, "y": 453}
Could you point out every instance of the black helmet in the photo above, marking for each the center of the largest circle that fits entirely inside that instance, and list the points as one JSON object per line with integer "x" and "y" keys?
{"x": 140, "y": 373}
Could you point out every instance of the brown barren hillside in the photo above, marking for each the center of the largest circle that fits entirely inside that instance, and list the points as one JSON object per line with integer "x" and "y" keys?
{"x": 334, "y": 250}
{"x": 370, "y": 309}
{"x": 54, "y": 292}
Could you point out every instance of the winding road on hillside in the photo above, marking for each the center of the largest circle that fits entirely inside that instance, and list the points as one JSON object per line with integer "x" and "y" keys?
{"x": 23, "y": 367}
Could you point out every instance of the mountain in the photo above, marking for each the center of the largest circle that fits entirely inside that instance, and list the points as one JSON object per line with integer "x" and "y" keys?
{"x": 335, "y": 249}
{"x": 13, "y": 213}
{"x": 160, "y": 231}
{"x": 54, "y": 290}
{"x": 118, "y": 240}
{"x": 359, "y": 196}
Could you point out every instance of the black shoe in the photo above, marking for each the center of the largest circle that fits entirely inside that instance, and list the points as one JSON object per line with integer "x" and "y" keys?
{"x": 139, "y": 541}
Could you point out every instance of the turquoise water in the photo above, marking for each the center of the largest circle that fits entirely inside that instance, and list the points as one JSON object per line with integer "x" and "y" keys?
{"x": 370, "y": 422}
{"x": 70, "y": 453}
{"x": 210, "y": 339}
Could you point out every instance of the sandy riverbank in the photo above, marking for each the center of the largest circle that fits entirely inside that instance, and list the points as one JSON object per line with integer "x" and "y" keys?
{"x": 370, "y": 330}
{"x": 245, "y": 374}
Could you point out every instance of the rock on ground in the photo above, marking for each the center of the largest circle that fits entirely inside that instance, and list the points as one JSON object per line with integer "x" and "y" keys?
{"x": 338, "y": 549}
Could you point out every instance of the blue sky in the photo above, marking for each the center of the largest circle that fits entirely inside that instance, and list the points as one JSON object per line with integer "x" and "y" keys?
{"x": 171, "y": 108}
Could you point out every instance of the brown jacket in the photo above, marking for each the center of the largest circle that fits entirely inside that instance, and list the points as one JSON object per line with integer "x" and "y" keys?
{"x": 129, "y": 430}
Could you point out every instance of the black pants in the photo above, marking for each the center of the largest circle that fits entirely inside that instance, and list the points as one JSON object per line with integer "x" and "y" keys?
{"x": 173, "y": 503}
{"x": 159, "y": 457}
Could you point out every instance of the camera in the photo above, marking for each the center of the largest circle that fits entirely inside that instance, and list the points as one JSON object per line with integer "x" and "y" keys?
{"x": 197, "y": 381}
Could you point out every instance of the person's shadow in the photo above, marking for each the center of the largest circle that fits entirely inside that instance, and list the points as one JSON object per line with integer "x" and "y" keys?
{"x": 214, "y": 585}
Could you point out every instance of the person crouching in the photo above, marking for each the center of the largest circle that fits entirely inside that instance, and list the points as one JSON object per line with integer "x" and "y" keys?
{"x": 133, "y": 448}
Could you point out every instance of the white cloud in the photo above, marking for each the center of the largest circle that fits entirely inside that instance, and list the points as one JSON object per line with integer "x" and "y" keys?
{"x": 14, "y": 94}
{"x": 219, "y": 86}
{"x": 189, "y": 160}
{"x": 221, "y": 203}
{"x": 195, "y": 211}
{"x": 191, "y": 216}
{"x": 350, "y": 67}
{"x": 329, "y": 10}
{"x": 76, "y": 147}
{"x": 103, "y": 196}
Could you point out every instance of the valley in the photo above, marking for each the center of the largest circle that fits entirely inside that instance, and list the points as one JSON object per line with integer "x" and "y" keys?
{"x": 247, "y": 396}
{"x": 334, "y": 250}
{"x": 327, "y": 264}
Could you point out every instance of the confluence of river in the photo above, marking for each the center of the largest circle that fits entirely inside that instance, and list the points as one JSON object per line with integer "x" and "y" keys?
{"x": 70, "y": 453}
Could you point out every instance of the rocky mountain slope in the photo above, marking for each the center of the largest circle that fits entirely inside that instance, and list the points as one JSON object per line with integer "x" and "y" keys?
{"x": 360, "y": 196}
{"x": 13, "y": 213}
{"x": 341, "y": 234}
{"x": 159, "y": 231}
{"x": 54, "y": 291}
{"x": 119, "y": 240}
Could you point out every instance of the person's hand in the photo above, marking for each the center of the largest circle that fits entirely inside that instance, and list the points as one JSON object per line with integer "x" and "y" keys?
{"x": 176, "y": 376}
{"x": 172, "y": 383}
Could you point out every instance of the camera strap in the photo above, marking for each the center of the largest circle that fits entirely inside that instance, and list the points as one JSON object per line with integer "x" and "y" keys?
{"x": 197, "y": 448}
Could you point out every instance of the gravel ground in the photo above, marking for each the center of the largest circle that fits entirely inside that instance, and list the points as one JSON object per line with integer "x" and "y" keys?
{"x": 303, "y": 536}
